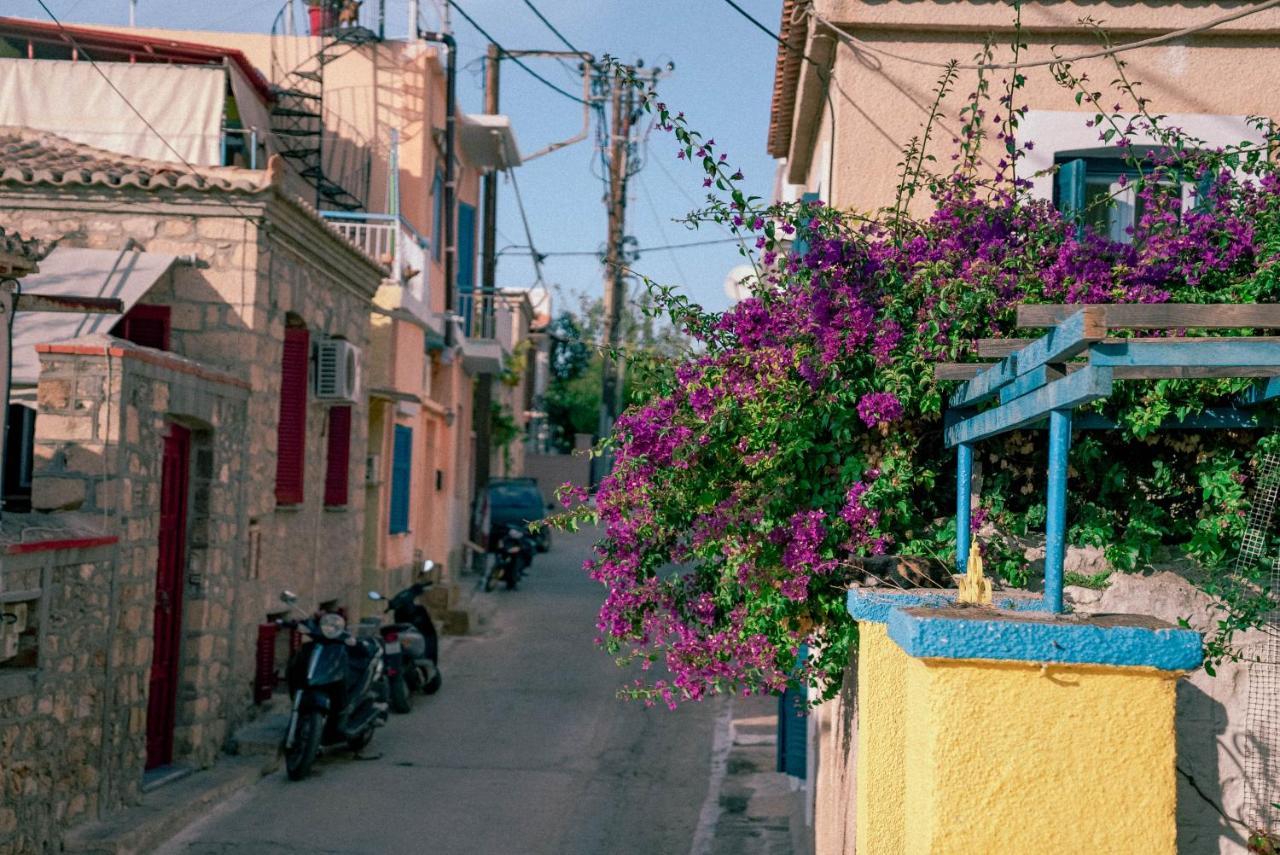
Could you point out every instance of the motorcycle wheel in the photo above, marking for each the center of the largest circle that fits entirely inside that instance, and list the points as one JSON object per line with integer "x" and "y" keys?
{"x": 513, "y": 576}
{"x": 306, "y": 744}
{"x": 433, "y": 685}
{"x": 490, "y": 580}
{"x": 401, "y": 700}
{"x": 360, "y": 742}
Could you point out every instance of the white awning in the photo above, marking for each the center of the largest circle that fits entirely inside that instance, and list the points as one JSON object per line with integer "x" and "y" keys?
{"x": 488, "y": 142}
{"x": 70, "y": 272}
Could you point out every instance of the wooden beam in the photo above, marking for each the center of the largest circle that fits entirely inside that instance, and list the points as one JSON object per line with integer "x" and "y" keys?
{"x": 1260, "y": 353}
{"x": 999, "y": 348}
{"x": 1072, "y": 336}
{"x": 1161, "y": 316}
{"x": 1260, "y": 393}
{"x": 1075, "y": 389}
{"x": 953, "y": 371}
{"x": 1029, "y": 382}
{"x": 81, "y": 305}
{"x": 1214, "y": 418}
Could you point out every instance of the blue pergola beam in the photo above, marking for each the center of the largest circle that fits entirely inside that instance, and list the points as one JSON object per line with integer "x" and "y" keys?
{"x": 1075, "y": 389}
{"x": 1029, "y": 382}
{"x": 1073, "y": 336}
{"x": 1201, "y": 353}
{"x": 1261, "y": 393}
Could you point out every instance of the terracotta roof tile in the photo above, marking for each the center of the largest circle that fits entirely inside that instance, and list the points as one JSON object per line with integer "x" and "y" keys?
{"x": 30, "y": 157}
{"x": 786, "y": 77}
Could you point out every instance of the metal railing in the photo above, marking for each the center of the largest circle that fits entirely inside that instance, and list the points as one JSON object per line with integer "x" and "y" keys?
{"x": 390, "y": 240}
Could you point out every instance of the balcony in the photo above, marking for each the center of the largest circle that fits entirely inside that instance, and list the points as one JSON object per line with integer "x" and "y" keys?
{"x": 389, "y": 240}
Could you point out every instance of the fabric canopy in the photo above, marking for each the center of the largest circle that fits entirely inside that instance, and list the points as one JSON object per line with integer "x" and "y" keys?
{"x": 126, "y": 275}
{"x": 185, "y": 103}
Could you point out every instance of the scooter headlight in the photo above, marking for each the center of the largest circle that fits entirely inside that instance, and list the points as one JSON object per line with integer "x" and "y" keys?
{"x": 332, "y": 626}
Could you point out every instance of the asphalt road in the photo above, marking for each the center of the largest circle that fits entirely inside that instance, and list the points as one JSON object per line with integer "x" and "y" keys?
{"x": 526, "y": 749}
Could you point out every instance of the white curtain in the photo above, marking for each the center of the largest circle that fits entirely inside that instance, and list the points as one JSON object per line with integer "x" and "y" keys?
{"x": 71, "y": 99}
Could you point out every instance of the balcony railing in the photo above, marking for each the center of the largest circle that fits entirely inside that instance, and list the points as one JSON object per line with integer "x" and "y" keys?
{"x": 389, "y": 240}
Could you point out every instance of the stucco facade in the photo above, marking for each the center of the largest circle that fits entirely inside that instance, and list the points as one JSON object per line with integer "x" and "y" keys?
{"x": 844, "y": 140}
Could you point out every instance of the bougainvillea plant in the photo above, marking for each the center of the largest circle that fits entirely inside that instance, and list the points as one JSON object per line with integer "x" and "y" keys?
{"x": 804, "y": 435}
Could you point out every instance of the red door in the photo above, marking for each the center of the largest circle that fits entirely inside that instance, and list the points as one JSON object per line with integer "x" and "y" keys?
{"x": 170, "y": 572}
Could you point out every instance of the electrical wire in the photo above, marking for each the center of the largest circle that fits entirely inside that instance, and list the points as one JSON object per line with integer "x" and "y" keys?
{"x": 657, "y": 219}
{"x": 859, "y": 45}
{"x": 472, "y": 21}
{"x": 81, "y": 52}
{"x": 599, "y": 253}
{"x": 528, "y": 233}
{"x": 551, "y": 27}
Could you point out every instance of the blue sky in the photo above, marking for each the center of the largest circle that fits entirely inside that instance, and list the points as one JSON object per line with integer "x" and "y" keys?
{"x": 722, "y": 81}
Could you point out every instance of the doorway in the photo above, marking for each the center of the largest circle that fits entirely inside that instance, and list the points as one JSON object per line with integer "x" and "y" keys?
{"x": 162, "y": 697}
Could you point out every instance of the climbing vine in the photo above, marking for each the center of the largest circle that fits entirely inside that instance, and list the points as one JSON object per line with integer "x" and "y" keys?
{"x": 803, "y": 437}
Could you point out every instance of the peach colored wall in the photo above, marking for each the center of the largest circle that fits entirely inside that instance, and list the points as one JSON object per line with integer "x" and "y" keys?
{"x": 880, "y": 102}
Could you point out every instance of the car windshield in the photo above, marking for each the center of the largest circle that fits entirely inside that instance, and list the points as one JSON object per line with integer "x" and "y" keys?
{"x": 515, "y": 496}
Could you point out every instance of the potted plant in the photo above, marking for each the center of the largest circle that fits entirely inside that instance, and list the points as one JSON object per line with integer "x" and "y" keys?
{"x": 322, "y": 15}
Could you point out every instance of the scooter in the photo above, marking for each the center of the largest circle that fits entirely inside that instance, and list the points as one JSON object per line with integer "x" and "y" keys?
{"x": 515, "y": 553}
{"x": 339, "y": 689}
{"x": 416, "y": 635}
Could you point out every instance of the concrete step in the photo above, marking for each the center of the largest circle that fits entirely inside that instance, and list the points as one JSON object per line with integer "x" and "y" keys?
{"x": 261, "y": 738}
{"x": 164, "y": 811}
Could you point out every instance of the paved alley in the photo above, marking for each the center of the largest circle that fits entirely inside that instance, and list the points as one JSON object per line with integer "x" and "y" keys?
{"x": 525, "y": 749}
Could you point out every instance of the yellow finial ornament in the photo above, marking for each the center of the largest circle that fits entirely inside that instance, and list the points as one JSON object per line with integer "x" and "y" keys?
{"x": 975, "y": 587}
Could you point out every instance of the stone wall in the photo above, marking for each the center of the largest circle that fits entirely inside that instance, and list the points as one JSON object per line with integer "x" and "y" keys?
{"x": 64, "y": 752}
{"x": 257, "y": 264}
{"x": 73, "y": 721}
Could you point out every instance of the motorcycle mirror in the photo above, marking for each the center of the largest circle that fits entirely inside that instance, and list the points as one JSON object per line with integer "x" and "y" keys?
{"x": 375, "y": 596}
{"x": 288, "y": 597}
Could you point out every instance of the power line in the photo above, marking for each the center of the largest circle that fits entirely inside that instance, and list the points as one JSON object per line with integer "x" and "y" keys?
{"x": 551, "y": 27}
{"x": 506, "y": 53}
{"x": 859, "y": 45}
{"x": 528, "y": 233}
{"x": 771, "y": 34}
{"x": 599, "y": 253}
{"x": 80, "y": 51}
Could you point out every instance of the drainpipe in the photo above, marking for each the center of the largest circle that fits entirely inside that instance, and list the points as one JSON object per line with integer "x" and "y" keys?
{"x": 450, "y": 181}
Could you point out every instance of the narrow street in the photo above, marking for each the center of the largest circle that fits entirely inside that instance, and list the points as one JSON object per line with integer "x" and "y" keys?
{"x": 525, "y": 749}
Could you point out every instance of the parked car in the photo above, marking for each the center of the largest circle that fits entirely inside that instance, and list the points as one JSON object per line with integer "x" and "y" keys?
{"x": 518, "y": 502}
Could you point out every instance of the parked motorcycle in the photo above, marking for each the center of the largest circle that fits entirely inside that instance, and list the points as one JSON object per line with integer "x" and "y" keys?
{"x": 418, "y": 641}
{"x": 339, "y": 689}
{"x": 514, "y": 554}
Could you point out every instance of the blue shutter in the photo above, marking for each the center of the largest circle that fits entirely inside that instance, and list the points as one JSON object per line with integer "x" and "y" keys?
{"x": 466, "y": 262}
{"x": 401, "y": 473}
{"x": 793, "y": 730}
{"x": 437, "y": 216}
{"x": 800, "y": 246}
{"x": 1071, "y": 192}
{"x": 1204, "y": 188}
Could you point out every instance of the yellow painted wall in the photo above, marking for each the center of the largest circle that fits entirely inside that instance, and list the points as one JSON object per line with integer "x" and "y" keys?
{"x": 882, "y": 732}
{"x": 972, "y": 757}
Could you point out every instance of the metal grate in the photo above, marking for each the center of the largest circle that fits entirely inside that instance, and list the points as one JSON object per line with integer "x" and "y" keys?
{"x": 1262, "y": 722}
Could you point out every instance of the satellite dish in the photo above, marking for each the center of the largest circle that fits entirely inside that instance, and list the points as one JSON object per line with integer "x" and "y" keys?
{"x": 737, "y": 284}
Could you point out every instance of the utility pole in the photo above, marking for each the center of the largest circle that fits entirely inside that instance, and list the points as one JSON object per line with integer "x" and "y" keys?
{"x": 620, "y": 102}
{"x": 482, "y": 403}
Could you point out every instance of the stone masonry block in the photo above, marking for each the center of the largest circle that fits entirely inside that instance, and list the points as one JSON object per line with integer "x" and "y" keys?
{"x": 54, "y": 394}
{"x": 57, "y": 494}
{"x": 55, "y": 427}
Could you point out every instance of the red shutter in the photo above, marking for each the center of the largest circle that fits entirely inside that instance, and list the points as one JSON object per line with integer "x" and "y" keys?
{"x": 145, "y": 325}
{"x": 264, "y": 678}
{"x": 338, "y": 466}
{"x": 292, "y": 439}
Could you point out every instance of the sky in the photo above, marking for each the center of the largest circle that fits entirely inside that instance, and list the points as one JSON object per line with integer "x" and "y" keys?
{"x": 722, "y": 81}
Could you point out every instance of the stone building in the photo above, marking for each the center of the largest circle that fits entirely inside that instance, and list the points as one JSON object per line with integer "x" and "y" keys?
{"x": 186, "y": 469}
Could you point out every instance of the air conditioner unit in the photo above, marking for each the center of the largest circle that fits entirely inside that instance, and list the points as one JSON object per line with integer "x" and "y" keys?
{"x": 337, "y": 370}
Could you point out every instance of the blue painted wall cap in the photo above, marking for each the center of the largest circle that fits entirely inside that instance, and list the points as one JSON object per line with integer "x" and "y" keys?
{"x": 876, "y": 604}
{"x": 958, "y": 632}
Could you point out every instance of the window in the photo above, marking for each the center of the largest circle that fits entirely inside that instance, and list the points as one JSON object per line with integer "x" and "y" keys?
{"x": 338, "y": 460}
{"x": 19, "y": 458}
{"x": 466, "y": 263}
{"x": 1101, "y": 193}
{"x": 145, "y": 325}
{"x": 401, "y": 473}
{"x": 292, "y": 430}
{"x": 437, "y": 215}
